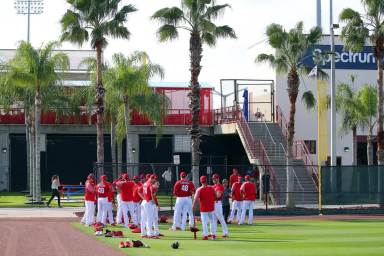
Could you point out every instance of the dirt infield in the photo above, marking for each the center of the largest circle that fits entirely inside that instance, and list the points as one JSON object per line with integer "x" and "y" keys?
{"x": 51, "y": 236}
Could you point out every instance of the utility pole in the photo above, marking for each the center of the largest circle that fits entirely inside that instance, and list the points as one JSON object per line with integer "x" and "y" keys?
{"x": 318, "y": 13}
{"x": 333, "y": 86}
{"x": 29, "y": 7}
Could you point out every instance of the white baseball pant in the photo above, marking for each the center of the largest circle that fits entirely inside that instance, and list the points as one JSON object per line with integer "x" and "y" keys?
{"x": 236, "y": 207}
{"x": 137, "y": 211}
{"x": 187, "y": 209}
{"x": 218, "y": 215}
{"x": 89, "y": 214}
{"x": 207, "y": 218}
{"x": 149, "y": 215}
{"x": 143, "y": 219}
{"x": 119, "y": 213}
{"x": 125, "y": 208}
{"x": 156, "y": 220}
{"x": 102, "y": 209}
{"x": 247, "y": 205}
{"x": 110, "y": 213}
{"x": 177, "y": 213}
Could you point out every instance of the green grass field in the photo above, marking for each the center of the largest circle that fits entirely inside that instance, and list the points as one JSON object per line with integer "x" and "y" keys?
{"x": 18, "y": 200}
{"x": 286, "y": 237}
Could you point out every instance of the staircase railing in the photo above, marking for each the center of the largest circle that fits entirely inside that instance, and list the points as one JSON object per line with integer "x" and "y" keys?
{"x": 258, "y": 151}
{"x": 300, "y": 150}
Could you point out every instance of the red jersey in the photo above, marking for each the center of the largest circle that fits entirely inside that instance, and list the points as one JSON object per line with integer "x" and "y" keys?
{"x": 111, "y": 193}
{"x": 126, "y": 190}
{"x": 233, "y": 178}
{"x": 183, "y": 188}
{"x": 249, "y": 191}
{"x": 207, "y": 198}
{"x": 103, "y": 189}
{"x": 236, "y": 193}
{"x": 89, "y": 193}
{"x": 147, "y": 191}
{"x": 136, "y": 190}
{"x": 219, "y": 188}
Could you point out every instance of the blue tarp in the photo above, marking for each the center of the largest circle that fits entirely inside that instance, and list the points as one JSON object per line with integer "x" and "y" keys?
{"x": 245, "y": 104}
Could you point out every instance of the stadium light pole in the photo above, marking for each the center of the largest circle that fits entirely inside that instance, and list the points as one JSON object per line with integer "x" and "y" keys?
{"x": 29, "y": 7}
{"x": 333, "y": 86}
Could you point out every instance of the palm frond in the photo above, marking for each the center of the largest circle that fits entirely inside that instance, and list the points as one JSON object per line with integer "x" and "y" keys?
{"x": 308, "y": 100}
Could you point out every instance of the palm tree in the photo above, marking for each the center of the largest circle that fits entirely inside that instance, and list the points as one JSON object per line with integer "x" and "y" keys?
{"x": 195, "y": 17}
{"x": 367, "y": 97}
{"x": 36, "y": 69}
{"x": 129, "y": 77}
{"x": 362, "y": 27}
{"x": 96, "y": 20}
{"x": 357, "y": 109}
{"x": 290, "y": 48}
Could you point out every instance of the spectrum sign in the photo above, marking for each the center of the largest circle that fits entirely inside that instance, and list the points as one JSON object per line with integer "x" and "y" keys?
{"x": 364, "y": 60}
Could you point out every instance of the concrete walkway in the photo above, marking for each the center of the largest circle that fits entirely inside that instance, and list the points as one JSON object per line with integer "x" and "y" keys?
{"x": 66, "y": 212}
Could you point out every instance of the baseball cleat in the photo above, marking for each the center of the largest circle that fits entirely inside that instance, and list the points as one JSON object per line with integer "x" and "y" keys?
{"x": 224, "y": 236}
{"x": 144, "y": 236}
{"x": 122, "y": 244}
{"x": 127, "y": 244}
{"x": 205, "y": 238}
{"x": 160, "y": 234}
{"x": 213, "y": 237}
{"x": 154, "y": 237}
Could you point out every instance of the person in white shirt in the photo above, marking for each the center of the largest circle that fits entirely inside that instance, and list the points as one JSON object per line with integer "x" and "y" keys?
{"x": 167, "y": 177}
{"x": 55, "y": 190}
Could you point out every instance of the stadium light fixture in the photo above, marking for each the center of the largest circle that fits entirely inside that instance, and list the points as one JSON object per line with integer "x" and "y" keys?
{"x": 29, "y": 7}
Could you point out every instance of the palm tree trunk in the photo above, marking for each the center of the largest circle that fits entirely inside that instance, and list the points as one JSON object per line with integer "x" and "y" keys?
{"x": 37, "y": 144}
{"x": 128, "y": 145}
{"x": 100, "y": 91}
{"x": 369, "y": 145}
{"x": 28, "y": 142}
{"x": 119, "y": 157}
{"x": 196, "y": 49}
{"x": 380, "y": 134}
{"x": 113, "y": 148}
{"x": 293, "y": 90}
{"x": 32, "y": 155}
{"x": 354, "y": 146}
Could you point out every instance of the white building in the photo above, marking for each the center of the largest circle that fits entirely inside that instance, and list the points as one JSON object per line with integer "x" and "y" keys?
{"x": 363, "y": 66}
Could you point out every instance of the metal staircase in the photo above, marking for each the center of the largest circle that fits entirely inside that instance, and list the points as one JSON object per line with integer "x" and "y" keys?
{"x": 266, "y": 146}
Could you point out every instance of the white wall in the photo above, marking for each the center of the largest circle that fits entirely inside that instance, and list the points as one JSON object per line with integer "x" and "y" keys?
{"x": 306, "y": 121}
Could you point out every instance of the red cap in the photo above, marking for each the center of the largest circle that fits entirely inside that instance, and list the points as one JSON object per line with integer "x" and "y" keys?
{"x": 183, "y": 174}
{"x": 91, "y": 176}
{"x": 216, "y": 176}
{"x": 154, "y": 176}
{"x": 247, "y": 177}
{"x": 239, "y": 178}
{"x": 147, "y": 176}
{"x": 136, "y": 177}
{"x": 203, "y": 179}
{"x": 103, "y": 177}
{"x": 125, "y": 176}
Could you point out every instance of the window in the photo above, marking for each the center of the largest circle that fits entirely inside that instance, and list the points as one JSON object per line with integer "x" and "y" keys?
{"x": 311, "y": 145}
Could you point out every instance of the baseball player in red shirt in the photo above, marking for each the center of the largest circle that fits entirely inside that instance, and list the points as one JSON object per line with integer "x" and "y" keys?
{"x": 155, "y": 187}
{"x": 234, "y": 177}
{"x": 147, "y": 214}
{"x": 206, "y": 197}
{"x": 111, "y": 199}
{"x": 248, "y": 190}
{"x": 126, "y": 195}
{"x": 90, "y": 198}
{"x": 237, "y": 201}
{"x": 102, "y": 192}
{"x": 183, "y": 190}
{"x": 137, "y": 199}
{"x": 219, "y": 190}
